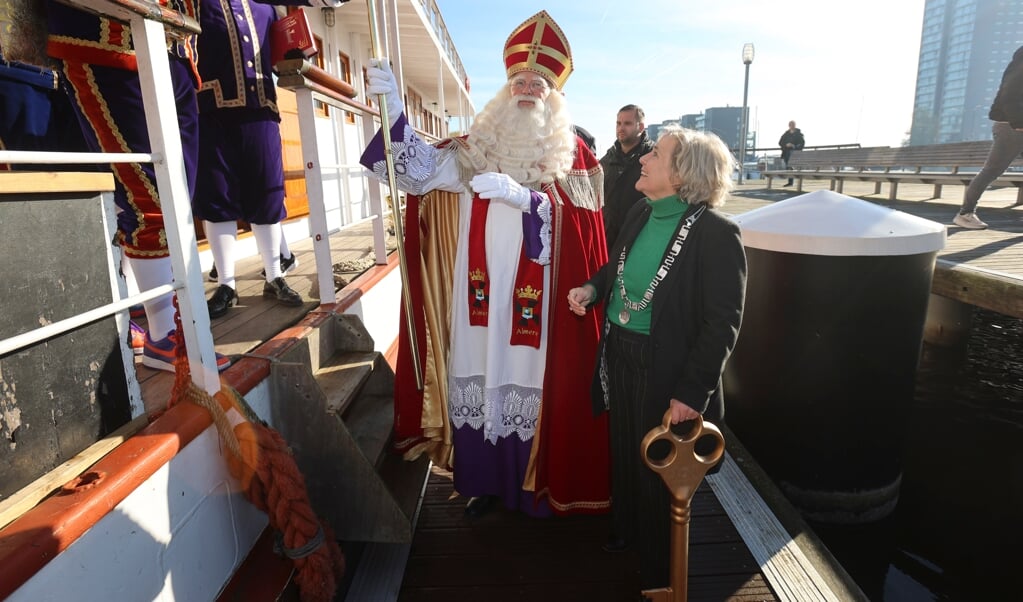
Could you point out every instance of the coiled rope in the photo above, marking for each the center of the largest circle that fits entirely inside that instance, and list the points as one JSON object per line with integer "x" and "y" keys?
{"x": 261, "y": 460}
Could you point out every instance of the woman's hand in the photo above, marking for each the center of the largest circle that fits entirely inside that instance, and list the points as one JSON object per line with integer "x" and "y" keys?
{"x": 579, "y": 298}
{"x": 680, "y": 412}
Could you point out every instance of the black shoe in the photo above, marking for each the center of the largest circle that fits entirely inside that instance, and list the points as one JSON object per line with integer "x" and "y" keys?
{"x": 615, "y": 544}
{"x": 287, "y": 264}
{"x": 478, "y": 506}
{"x": 789, "y": 183}
{"x": 280, "y": 290}
{"x": 213, "y": 273}
{"x": 222, "y": 300}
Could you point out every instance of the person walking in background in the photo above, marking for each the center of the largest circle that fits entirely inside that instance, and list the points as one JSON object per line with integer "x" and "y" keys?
{"x": 673, "y": 294}
{"x": 621, "y": 168}
{"x": 504, "y": 206}
{"x": 791, "y": 140}
{"x": 1007, "y": 141}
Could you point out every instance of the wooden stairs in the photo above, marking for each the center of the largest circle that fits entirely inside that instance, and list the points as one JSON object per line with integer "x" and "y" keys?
{"x": 332, "y": 398}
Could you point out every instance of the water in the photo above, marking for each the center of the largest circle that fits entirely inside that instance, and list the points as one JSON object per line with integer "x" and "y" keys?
{"x": 957, "y": 533}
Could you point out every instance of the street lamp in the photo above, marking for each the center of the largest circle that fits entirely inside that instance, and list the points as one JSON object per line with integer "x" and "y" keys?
{"x": 747, "y": 58}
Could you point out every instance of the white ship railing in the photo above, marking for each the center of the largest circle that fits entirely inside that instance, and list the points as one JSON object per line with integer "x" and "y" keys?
{"x": 149, "y": 36}
{"x": 313, "y": 85}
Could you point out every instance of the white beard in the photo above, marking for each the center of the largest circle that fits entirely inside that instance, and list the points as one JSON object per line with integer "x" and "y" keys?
{"x": 534, "y": 145}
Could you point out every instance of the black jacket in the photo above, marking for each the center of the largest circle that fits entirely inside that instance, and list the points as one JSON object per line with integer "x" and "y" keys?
{"x": 621, "y": 171}
{"x": 587, "y": 137}
{"x": 796, "y": 138}
{"x": 697, "y": 310}
{"x": 1008, "y": 103}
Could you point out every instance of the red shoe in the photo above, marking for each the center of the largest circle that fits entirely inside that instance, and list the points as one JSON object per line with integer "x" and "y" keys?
{"x": 159, "y": 355}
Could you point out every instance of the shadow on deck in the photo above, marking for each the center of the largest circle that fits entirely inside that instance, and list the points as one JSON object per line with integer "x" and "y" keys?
{"x": 509, "y": 556}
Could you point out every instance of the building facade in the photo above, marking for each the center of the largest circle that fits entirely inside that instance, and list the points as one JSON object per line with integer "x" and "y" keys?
{"x": 725, "y": 122}
{"x": 964, "y": 48}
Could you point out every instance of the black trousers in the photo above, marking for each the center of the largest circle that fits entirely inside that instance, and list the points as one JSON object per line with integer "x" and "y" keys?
{"x": 639, "y": 499}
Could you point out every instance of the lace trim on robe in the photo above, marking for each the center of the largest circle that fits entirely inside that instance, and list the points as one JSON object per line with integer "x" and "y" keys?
{"x": 513, "y": 409}
{"x": 543, "y": 211}
{"x": 414, "y": 161}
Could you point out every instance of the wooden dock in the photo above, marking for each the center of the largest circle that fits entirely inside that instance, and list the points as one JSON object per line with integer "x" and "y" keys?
{"x": 507, "y": 556}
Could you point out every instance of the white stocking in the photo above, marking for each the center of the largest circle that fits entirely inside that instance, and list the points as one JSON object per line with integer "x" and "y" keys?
{"x": 150, "y": 273}
{"x": 285, "y": 251}
{"x": 268, "y": 241}
{"x": 222, "y": 237}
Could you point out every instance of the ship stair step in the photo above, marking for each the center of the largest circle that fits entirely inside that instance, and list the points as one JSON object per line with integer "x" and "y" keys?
{"x": 332, "y": 399}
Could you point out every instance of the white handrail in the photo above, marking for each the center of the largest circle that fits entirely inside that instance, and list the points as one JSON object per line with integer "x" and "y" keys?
{"x": 43, "y": 333}
{"x": 53, "y": 158}
{"x": 149, "y": 36}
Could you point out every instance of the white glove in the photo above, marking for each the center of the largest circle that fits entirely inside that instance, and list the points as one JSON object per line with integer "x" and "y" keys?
{"x": 381, "y": 81}
{"x": 501, "y": 187}
{"x": 327, "y": 3}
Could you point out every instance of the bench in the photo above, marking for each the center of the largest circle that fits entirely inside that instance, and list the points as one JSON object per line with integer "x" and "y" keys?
{"x": 937, "y": 164}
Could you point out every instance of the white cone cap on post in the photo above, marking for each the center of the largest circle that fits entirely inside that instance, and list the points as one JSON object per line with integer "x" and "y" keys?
{"x": 832, "y": 224}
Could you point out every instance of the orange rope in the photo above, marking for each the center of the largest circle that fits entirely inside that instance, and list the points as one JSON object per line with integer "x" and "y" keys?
{"x": 261, "y": 460}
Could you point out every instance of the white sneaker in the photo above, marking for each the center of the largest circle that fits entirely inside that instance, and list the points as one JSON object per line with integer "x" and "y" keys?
{"x": 970, "y": 221}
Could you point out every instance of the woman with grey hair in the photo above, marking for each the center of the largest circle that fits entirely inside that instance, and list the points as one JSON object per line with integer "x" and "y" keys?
{"x": 673, "y": 291}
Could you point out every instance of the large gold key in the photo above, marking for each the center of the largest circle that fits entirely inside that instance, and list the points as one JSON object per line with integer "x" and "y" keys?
{"x": 682, "y": 470}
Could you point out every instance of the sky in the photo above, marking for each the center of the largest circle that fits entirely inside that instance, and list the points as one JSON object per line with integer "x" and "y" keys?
{"x": 845, "y": 72}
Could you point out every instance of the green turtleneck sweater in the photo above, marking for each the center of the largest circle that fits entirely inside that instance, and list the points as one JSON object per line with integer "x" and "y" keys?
{"x": 642, "y": 260}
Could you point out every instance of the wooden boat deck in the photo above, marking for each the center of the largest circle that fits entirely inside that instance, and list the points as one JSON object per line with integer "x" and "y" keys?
{"x": 507, "y": 556}
{"x": 255, "y": 319}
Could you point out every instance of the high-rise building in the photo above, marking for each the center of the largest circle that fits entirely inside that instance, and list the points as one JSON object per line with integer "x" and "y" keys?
{"x": 693, "y": 121}
{"x": 964, "y": 48}
{"x": 653, "y": 130}
{"x": 726, "y": 122}
{"x": 722, "y": 121}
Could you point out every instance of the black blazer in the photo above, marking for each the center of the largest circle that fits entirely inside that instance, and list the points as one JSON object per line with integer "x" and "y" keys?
{"x": 697, "y": 310}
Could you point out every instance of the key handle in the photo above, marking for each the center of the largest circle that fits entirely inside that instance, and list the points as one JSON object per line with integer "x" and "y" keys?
{"x": 683, "y": 468}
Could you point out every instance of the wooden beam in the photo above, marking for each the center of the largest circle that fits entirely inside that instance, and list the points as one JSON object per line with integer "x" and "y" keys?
{"x": 30, "y": 495}
{"x": 994, "y": 291}
{"x": 25, "y": 182}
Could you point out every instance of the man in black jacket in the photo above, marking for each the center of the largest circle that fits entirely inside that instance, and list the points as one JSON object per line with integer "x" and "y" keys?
{"x": 1007, "y": 133}
{"x": 621, "y": 168}
{"x": 791, "y": 140}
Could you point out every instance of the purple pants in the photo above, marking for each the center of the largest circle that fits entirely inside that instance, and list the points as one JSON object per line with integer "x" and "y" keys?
{"x": 241, "y": 173}
{"x": 110, "y": 108}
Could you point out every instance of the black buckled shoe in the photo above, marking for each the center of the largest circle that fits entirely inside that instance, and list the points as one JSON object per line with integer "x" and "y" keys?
{"x": 279, "y": 289}
{"x": 478, "y": 506}
{"x": 222, "y": 300}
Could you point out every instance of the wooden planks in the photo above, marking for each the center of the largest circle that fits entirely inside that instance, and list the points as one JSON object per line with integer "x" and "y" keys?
{"x": 257, "y": 319}
{"x": 26, "y": 182}
{"x": 509, "y": 556}
{"x": 27, "y": 497}
{"x": 786, "y": 568}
